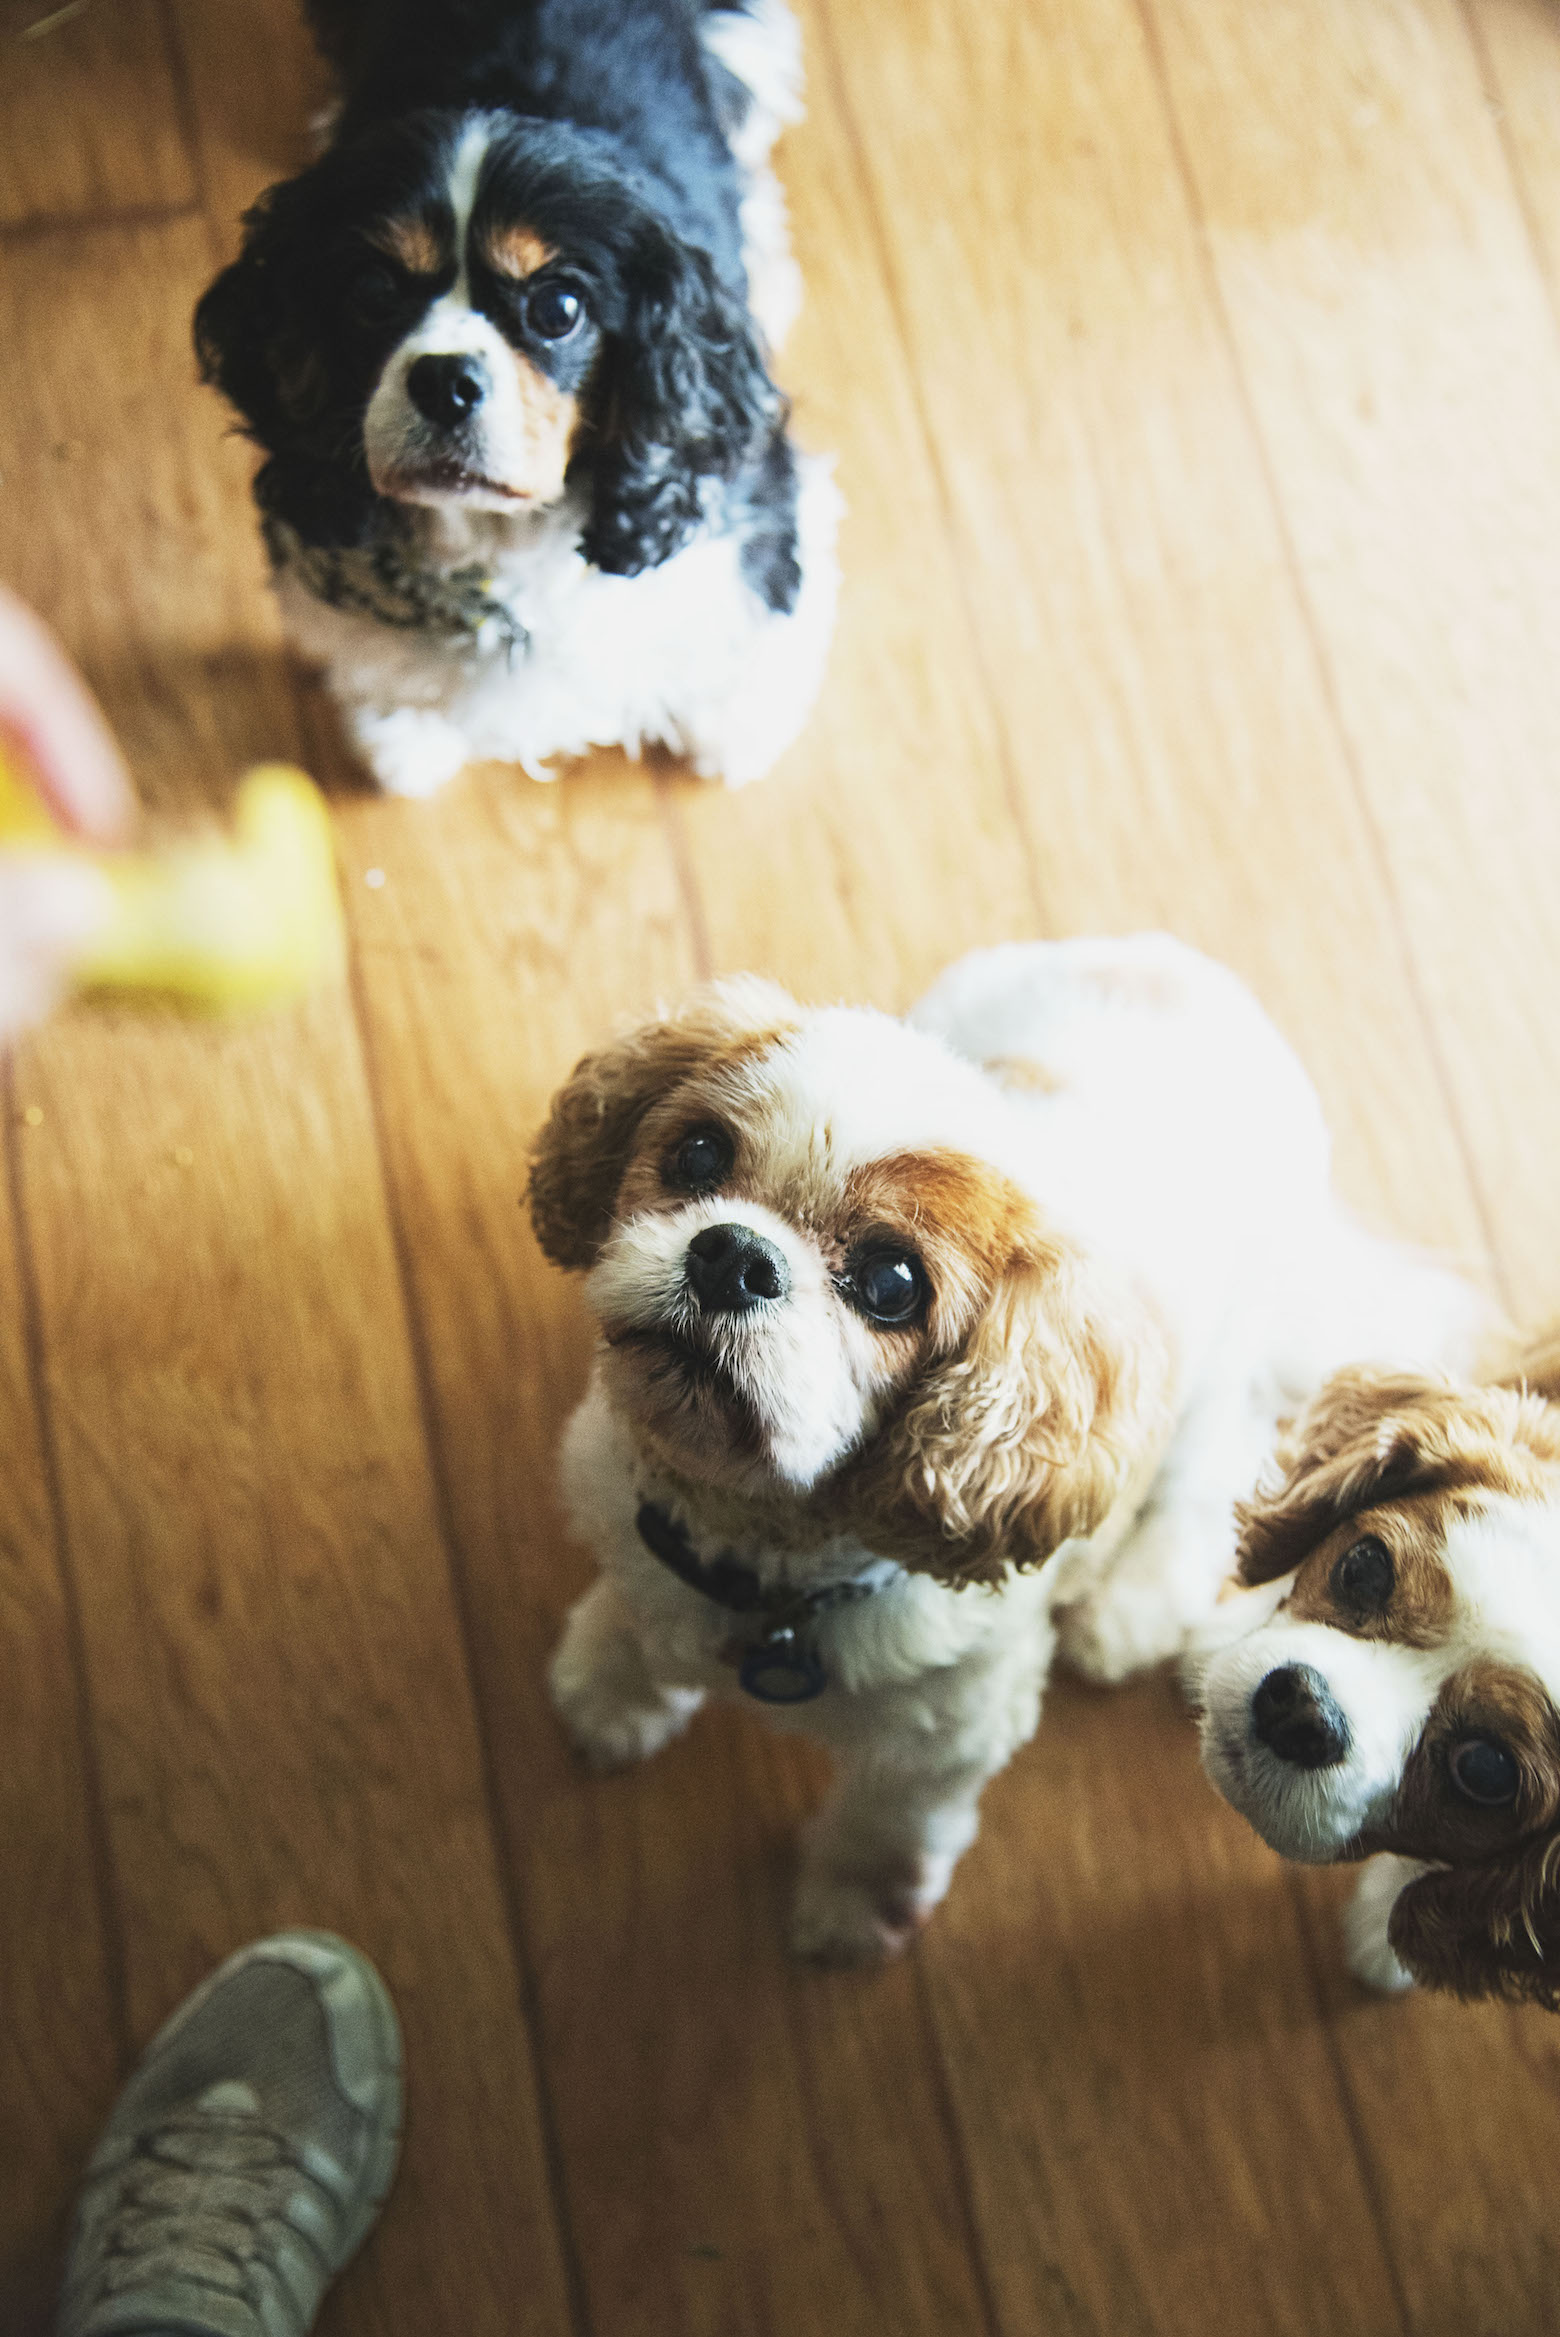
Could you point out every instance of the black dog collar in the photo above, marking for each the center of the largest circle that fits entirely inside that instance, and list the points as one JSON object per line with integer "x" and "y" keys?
{"x": 782, "y": 1664}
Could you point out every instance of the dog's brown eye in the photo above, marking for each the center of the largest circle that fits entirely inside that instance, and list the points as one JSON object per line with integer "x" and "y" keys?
{"x": 700, "y": 1162}
{"x": 1364, "y": 1576}
{"x": 886, "y": 1285}
{"x": 378, "y": 291}
{"x": 552, "y": 311}
{"x": 1484, "y": 1771}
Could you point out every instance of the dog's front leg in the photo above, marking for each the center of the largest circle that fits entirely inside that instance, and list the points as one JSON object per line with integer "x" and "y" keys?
{"x": 603, "y": 1689}
{"x": 1372, "y": 1958}
{"x": 879, "y": 1856}
{"x": 1166, "y": 1578}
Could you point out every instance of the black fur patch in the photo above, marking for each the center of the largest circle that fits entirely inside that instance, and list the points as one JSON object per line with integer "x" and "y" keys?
{"x": 609, "y": 148}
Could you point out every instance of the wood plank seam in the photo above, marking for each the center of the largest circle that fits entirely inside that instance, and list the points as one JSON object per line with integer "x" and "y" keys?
{"x": 511, "y": 1887}
{"x": 1527, "y": 204}
{"x": 699, "y": 937}
{"x": 670, "y": 805}
{"x": 948, "y": 2118}
{"x": 1012, "y": 784}
{"x": 186, "y": 113}
{"x": 1348, "y": 2102}
{"x": 1326, "y": 678}
{"x": 100, "y": 1854}
{"x": 21, "y": 233}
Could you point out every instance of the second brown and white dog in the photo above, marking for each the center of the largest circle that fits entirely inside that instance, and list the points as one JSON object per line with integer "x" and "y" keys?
{"x": 1388, "y": 1678}
{"x": 927, "y": 1345}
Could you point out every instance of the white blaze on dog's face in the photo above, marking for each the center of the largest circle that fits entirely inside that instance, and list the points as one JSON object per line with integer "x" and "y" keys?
{"x": 1388, "y": 1678}
{"x": 809, "y": 1273}
{"x": 478, "y": 404}
{"x": 495, "y": 312}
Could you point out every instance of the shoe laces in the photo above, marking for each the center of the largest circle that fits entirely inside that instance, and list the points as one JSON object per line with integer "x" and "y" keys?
{"x": 202, "y": 2187}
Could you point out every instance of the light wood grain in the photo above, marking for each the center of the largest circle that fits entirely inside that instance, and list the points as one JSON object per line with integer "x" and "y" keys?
{"x": 677, "y": 2047}
{"x": 257, "y": 93}
{"x": 277, "y": 1676}
{"x": 68, "y": 150}
{"x": 1519, "y": 61}
{"x": 1112, "y": 526}
{"x": 1193, "y": 374}
{"x": 1072, "y": 523}
{"x": 60, "y": 2041}
{"x": 1399, "y": 346}
{"x": 1400, "y": 352}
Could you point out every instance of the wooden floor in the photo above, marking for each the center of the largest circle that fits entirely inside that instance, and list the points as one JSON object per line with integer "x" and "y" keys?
{"x": 1194, "y": 371}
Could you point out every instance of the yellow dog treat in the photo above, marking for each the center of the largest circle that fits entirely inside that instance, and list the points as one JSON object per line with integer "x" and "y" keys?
{"x": 217, "y": 923}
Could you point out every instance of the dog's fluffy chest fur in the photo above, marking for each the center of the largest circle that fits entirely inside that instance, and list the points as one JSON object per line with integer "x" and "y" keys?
{"x": 906, "y": 1631}
{"x": 497, "y": 638}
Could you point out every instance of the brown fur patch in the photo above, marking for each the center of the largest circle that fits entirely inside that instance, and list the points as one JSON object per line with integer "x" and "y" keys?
{"x": 593, "y": 1126}
{"x": 1486, "y": 1930}
{"x": 1399, "y": 1456}
{"x": 515, "y": 252}
{"x": 1376, "y": 1437}
{"x": 1041, "y": 1397}
{"x": 1429, "y": 1818}
{"x": 413, "y": 242}
{"x": 969, "y": 1223}
{"x": 1536, "y": 1370}
{"x": 1486, "y": 1922}
{"x": 1032, "y": 1401}
{"x": 1423, "y": 1605}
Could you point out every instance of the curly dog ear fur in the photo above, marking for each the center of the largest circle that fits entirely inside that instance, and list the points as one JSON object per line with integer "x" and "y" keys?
{"x": 253, "y": 344}
{"x": 1375, "y": 1436}
{"x": 578, "y": 1159}
{"x": 684, "y": 398}
{"x": 1051, "y": 1408}
{"x": 1487, "y": 1930}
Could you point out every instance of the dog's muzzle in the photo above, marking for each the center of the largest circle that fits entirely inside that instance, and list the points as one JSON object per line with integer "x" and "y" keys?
{"x": 730, "y": 1268}
{"x": 447, "y": 390}
{"x": 1294, "y": 1714}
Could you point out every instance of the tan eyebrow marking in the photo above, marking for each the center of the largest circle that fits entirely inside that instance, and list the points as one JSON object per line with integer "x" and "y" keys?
{"x": 550, "y": 417}
{"x": 412, "y": 241}
{"x": 516, "y": 251}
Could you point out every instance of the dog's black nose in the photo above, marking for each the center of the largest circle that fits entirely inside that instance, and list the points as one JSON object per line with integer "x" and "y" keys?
{"x": 1295, "y": 1717}
{"x": 446, "y": 389}
{"x": 731, "y": 1267}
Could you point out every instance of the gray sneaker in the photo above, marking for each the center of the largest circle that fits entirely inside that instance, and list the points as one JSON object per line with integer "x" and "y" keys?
{"x": 248, "y": 2157}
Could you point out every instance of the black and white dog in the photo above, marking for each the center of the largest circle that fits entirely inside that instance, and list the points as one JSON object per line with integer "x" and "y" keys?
{"x": 528, "y": 486}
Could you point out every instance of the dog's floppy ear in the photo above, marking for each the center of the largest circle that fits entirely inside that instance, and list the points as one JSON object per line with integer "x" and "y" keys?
{"x": 1026, "y": 1435}
{"x": 256, "y": 344}
{"x": 683, "y": 399}
{"x": 578, "y": 1159}
{"x": 1374, "y": 1436}
{"x": 1486, "y": 1930}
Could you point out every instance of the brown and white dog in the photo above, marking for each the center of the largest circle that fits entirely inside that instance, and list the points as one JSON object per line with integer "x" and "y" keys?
{"x": 929, "y": 1345}
{"x": 1389, "y": 1678}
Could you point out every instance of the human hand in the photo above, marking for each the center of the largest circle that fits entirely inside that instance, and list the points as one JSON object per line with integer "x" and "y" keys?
{"x": 51, "y": 729}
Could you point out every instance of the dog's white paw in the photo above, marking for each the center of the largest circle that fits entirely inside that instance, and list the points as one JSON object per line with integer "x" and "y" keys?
{"x": 852, "y": 1918}
{"x": 603, "y": 1692}
{"x": 1119, "y": 1629}
{"x": 611, "y": 1731}
{"x": 1368, "y": 1950}
{"x": 411, "y": 751}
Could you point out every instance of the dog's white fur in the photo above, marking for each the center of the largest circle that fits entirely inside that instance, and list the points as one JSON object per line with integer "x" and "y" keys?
{"x": 1502, "y": 1564}
{"x": 686, "y": 656}
{"x": 1142, "y": 1101}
